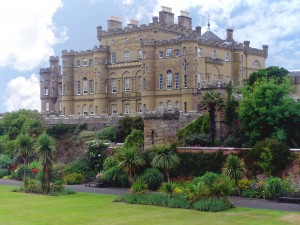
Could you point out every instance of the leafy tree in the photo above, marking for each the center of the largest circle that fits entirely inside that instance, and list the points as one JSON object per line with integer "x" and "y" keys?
{"x": 212, "y": 101}
{"x": 234, "y": 169}
{"x": 135, "y": 139}
{"x": 45, "y": 148}
{"x": 25, "y": 149}
{"x": 127, "y": 124}
{"x": 108, "y": 133}
{"x": 197, "y": 126}
{"x": 129, "y": 160}
{"x": 164, "y": 157}
{"x": 267, "y": 110}
{"x": 231, "y": 113}
{"x": 34, "y": 127}
{"x": 96, "y": 154}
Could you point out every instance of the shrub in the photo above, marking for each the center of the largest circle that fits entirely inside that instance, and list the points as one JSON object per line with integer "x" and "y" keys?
{"x": 273, "y": 187}
{"x": 250, "y": 193}
{"x": 139, "y": 187}
{"x": 33, "y": 186}
{"x": 6, "y": 177}
{"x": 213, "y": 204}
{"x": 168, "y": 188}
{"x": 127, "y": 124}
{"x": 4, "y": 172}
{"x": 178, "y": 202}
{"x": 5, "y": 161}
{"x": 115, "y": 177}
{"x": 110, "y": 162}
{"x": 18, "y": 174}
{"x": 96, "y": 154}
{"x": 57, "y": 186}
{"x": 198, "y": 140}
{"x": 289, "y": 184}
{"x": 73, "y": 178}
{"x": 108, "y": 133}
{"x": 79, "y": 166}
{"x": 209, "y": 179}
{"x": 152, "y": 177}
{"x": 34, "y": 164}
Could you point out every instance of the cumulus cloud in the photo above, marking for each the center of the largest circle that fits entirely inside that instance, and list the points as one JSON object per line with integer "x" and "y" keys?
{"x": 22, "y": 93}
{"x": 28, "y": 33}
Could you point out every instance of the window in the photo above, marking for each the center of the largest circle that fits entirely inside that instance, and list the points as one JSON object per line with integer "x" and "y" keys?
{"x": 185, "y": 107}
{"x": 177, "y": 104}
{"x": 226, "y": 56}
{"x": 90, "y": 62}
{"x": 91, "y": 109}
{"x": 78, "y": 87}
{"x": 113, "y": 58}
{"x": 60, "y": 89}
{"x": 114, "y": 85}
{"x": 198, "y": 52}
{"x": 126, "y": 56}
{"x": 198, "y": 80}
{"x": 52, "y": 78}
{"x": 84, "y": 110}
{"x": 177, "y": 80}
{"x": 46, "y": 91}
{"x": 242, "y": 58}
{"x": 52, "y": 89}
{"x": 161, "y": 82}
{"x": 114, "y": 109}
{"x": 169, "y": 53}
{"x": 47, "y": 107}
{"x": 184, "y": 51}
{"x": 140, "y": 84}
{"x": 139, "y": 107}
{"x": 84, "y": 62}
{"x": 78, "y": 63}
{"x": 139, "y": 54}
{"x": 161, "y": 105}
{"x": 60, "y": 106}
{"x": 169, "y": 105}
{"x": 78, "y": 110}
{"x": 127, "y": 109}
{"x": 169, "y": 80}
{"x": 96, "y": 110}
{"x": 213, "y": 54}
{"x": 177, "y": 53}
{"x": 91, "y": 87}
{"x": 127, "y": 84}
{"x": 85, "y": 86}
{"x": 145, "y": 84}
{"x": 185, "y": 81}
{"x": 160, "y": 54}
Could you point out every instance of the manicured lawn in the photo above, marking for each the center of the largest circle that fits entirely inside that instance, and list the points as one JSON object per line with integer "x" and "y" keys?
{"x": 83, "y": 208}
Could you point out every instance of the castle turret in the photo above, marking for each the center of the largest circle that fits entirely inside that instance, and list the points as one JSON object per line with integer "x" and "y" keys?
{"x": 265, "y": 48}
{"x": 166, "y": 17}
{"x": 246, "y": 47}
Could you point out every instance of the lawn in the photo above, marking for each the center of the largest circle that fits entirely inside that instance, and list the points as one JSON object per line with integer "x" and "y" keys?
{"x": 84, "y": 208}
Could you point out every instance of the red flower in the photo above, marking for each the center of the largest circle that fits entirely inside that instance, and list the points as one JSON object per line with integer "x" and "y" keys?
{"x": 34, "y": 170}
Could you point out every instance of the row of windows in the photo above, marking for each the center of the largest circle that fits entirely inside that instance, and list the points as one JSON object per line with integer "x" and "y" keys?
{"x": 47, "y": 107}
{"x": 85, "y": 62}
{"x": 169, "y": 105}
{"x": 85, "y": 110}
{"x": 46, "y": 90}
{"x": 85, "y": 87}
{"x": 126, "y": 56}
{"x": 127, "y": 85}
{"x": 126, "y": 108}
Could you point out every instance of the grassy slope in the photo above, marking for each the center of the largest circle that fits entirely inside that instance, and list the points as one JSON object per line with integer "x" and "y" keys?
{"x": 83, "y": 208}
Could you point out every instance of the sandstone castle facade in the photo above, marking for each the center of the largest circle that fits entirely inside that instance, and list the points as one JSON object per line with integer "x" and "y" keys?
{"x": 137, "y": 67}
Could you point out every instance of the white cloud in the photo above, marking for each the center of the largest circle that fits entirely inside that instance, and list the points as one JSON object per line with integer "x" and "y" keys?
{"x": 127, "y": 2}
{"x": 22, "y": 93}
{"x": 28, "y": 33}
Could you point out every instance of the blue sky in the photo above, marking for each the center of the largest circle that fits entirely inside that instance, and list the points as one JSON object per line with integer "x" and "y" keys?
{"x": 33, "y": 30}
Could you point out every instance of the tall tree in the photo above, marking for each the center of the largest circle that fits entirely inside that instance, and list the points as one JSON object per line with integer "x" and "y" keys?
{"x": 45, "y": 148}
{"x": 212, "y": 101}
{"x": 24, "y": 148}
{"x": 130, "y": 159}
{"x": 164, "y": 157}
{"x": 234, "y": 169}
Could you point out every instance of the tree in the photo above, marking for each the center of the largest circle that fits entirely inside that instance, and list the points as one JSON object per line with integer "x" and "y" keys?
{"x": 212, "y": 101}
{"x": 24, "y": 148}
{"x": 234, "y": 169}
{"x": 135, "y": 138}
{"x": 231, "y": 113}
{"x": 164, "y": 157}
{"x": 45, "y": 148}
{"x": 130, "y": 159}
{"x": 267, "y": 110}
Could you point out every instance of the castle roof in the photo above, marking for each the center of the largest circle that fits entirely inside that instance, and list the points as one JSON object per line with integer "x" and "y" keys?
{"x": 211, "y": 36}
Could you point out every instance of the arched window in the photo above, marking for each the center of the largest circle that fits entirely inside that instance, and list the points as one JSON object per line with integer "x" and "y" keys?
{"x": 169, "y": 105}
{"x": 256, "y": 65}
{"x": 161, "y": 105}
{"x": 169, "y": 80}
{"x": 177, "y": 104}
{"x": 78, "y": 109}
{"x": 84, "y": 110}
{"x": 91, "y": 109}
{"x": 85, "y": 86}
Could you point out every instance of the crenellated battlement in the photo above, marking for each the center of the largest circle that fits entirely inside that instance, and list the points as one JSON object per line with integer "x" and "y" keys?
{"x": 101, "y": 48}
{"x": 44, "y": 70}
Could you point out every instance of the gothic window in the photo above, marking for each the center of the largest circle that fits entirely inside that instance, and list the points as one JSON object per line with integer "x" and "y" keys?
{"x": 184, "y": 51}
{"x": 176, "y": 80}
{"x": 161, "y": 82}
{"x": 226, "y": 56}
{"x": 139, "y": 54}
{"x": 114, "y": 109}
{"x": 78, "y": 87}
{"x": 169, "y": 53}
{"x": 213, "y": 54}
{"x": 169, "y": 105}
{"x": 91, "y": 87}
{"x": 46, "y": 92}
{"x": 140, "y": 84}
{"x": 91, "y": 109}
{"x": 169, "y": 80}
{"x": 84, "y": 110}
{"x": 47, "y": 107}
{"x": 113, "y": 58}
{"x": 177, "y": 53}
{"x": 256, "y": 64}
{"x": 85, "y": 86}
{"x": 114, "y": 85}
{"x": 127, "y": 84}
{"x": 185, "y": 81}
{"x": 126, "y": 56}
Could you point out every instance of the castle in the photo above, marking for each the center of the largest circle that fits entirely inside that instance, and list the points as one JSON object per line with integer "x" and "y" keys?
{"x": 154, "y": 66}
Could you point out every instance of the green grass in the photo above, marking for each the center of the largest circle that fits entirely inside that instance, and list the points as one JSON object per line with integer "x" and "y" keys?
{"x": 84, "y": 208}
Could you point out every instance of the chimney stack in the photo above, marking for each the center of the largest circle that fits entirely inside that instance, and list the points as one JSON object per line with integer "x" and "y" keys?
{"x": 246, "y": 46}
{"x": 113, "y": 23}
{"x": 265, "y": 48}
{"x": 166, "y": 17}
{"x": 198, "y": 31}
{"x": 229, "y": 35}
{"x": 185, "y": 20}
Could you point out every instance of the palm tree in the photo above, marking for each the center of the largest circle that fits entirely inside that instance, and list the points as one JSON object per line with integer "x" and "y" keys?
{"x": 212, "y": 101}
{"x": 164, "y": 157}
{"x": 130, "y": 159}
{"x": 234, "y": 169}
{"x": 25, "y": 149}
{"x": 45, "y": 147}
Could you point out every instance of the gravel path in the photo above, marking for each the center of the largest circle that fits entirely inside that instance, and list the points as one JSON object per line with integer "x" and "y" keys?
{"x": 243, "y": 202}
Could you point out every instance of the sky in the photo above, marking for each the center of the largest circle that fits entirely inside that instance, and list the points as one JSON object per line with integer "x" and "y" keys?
{"x": 33, "y": 30}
